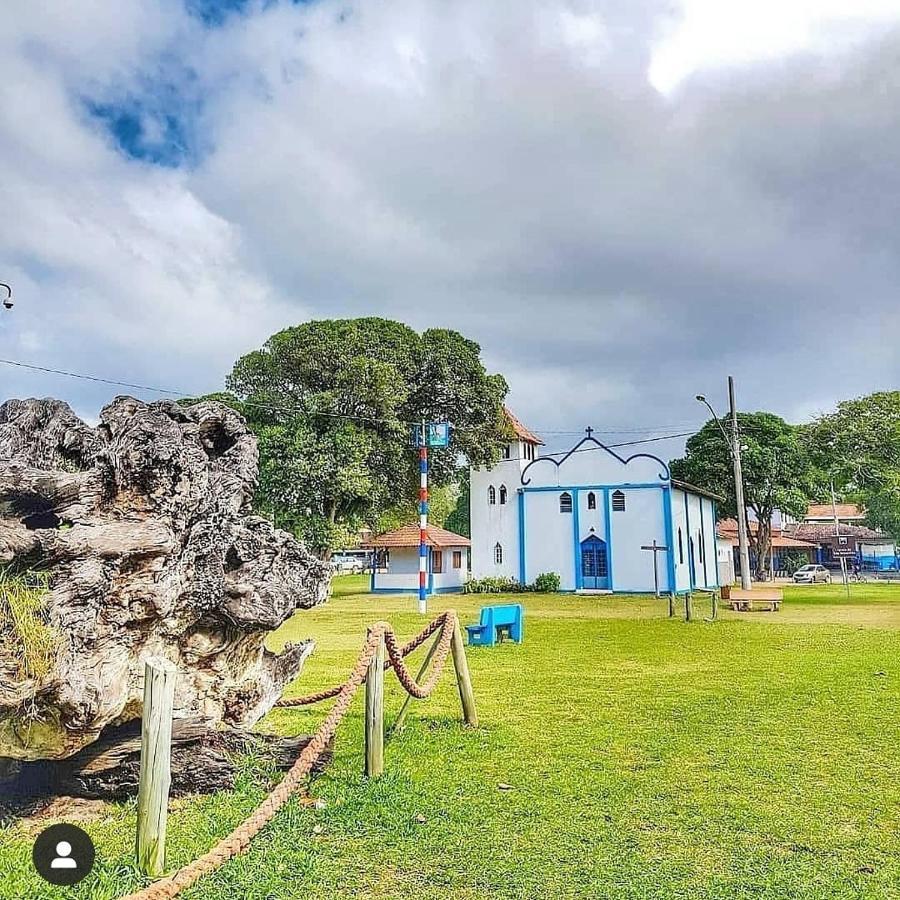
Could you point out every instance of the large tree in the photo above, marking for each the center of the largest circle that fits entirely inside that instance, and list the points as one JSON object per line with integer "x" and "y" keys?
{"x": 332, "y": 403}
{"x": 776, "y": 466}
{"x": 857, "y": 448}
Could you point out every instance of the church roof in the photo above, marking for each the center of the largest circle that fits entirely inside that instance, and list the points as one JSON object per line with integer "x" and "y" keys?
{"x": 693, "y": 489}
{"x": 408, "y": 536}
{"x": 521, "y": 431}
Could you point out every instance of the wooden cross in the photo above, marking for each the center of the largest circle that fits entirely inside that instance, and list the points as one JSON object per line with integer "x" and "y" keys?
{"x": 589, "y": 430}
{"x": 656, "y": 548}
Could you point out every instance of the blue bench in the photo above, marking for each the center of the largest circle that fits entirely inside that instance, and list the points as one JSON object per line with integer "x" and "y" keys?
{"x": 496, "y": 620}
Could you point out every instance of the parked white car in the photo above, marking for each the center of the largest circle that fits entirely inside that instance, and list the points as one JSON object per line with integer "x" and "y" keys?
{"x": 350, "y": 562}
{"x": 811, "y": 574}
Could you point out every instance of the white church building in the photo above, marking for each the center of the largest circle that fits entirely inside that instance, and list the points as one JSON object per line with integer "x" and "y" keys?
{"x": 591, "y": 516}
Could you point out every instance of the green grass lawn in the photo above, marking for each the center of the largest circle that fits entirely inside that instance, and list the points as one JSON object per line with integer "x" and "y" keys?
{"x": 754, "y": 757}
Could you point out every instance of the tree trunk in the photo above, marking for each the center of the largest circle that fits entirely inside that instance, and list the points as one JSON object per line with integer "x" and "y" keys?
{"x": 203, "y": 761}
{"x": 143, "y": 527}
{"x": 762, "y": 542}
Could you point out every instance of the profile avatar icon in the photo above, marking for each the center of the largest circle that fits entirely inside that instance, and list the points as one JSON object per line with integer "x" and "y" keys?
{"x": 63, "y": 854}
{"x": 64, "y": 857}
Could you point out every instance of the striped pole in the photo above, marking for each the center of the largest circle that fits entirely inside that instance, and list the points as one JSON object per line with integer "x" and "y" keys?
{"x": 423, "y": 525}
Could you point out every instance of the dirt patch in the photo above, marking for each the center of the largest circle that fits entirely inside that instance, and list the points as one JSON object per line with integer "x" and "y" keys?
{"x": 63, "y": 809}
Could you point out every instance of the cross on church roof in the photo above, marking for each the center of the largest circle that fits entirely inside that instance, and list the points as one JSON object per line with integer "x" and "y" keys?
{"x": 589, "y": 430}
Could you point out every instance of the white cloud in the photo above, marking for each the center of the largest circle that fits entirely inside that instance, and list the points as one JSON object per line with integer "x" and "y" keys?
{"x": 502, "y": 168}
{"x": 714, "y": 34}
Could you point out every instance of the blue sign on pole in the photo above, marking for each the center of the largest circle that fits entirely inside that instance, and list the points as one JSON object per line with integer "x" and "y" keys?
{"x": 438, "y": 434}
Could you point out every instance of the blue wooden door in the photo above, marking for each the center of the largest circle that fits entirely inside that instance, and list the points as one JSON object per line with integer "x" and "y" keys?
{"x": 594, "y": 564}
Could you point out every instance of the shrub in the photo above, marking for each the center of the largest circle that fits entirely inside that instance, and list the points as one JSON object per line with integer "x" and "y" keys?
{"x": 493, "y": 585}
{"x": 546, "y": 583}
{"x": 23, "y": 626}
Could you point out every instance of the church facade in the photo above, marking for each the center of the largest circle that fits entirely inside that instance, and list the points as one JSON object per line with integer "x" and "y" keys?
{"x": 593, "y": 517}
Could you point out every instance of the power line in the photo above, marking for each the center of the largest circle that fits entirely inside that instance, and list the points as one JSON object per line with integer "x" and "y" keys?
{"x": 97, "y": 378}
{"x": 662, "y": 437}
{"x": 184, "y": 394}
{"x": 295, "y": 410}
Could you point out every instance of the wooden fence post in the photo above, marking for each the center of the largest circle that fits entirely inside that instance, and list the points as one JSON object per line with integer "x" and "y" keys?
{"x": 671, "y": 604}
{"x": 375, "y": 713}
{"x": 688, "y": 606}
{"x": 400, "y": 721}
{"x": 156, "y": 758}
{"x": 715, "y": 605}
{"x": 463, "y": 680}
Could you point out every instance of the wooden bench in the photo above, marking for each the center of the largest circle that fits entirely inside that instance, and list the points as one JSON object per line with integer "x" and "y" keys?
{"x": 768, "y": 599}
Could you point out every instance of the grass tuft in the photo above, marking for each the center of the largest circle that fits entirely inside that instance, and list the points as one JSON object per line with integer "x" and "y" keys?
{"x": 28, "y": 640}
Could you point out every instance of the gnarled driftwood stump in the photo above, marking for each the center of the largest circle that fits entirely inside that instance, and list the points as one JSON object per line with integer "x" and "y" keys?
{"x": 143, "y": 525}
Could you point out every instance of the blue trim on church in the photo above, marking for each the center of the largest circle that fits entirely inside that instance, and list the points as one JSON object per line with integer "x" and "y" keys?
{"x": 559, "y": 488}
{"x": 666, "y": 490}
{"x": 607, "y": 506}
{"x": 576, "y": 542}
{"x": 630, "y": 529}
{"x": 670, "y": 538}
{"x": 521, "y": 495}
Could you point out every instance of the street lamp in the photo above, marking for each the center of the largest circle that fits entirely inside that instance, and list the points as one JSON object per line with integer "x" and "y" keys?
{"x": 8, "y": 300}
{"x": 734, "y": 446}
{"x": 701, "y": 399}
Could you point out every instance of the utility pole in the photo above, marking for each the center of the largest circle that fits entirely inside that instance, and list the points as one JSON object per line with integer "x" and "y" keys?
{"x": 743, "y": 543}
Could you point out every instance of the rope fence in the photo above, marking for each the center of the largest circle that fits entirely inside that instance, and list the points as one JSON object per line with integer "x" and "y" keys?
{"x": 380, "y": 634}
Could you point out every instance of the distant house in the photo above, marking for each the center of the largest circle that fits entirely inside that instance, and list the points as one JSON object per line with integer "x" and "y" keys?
{"x": 784, "y": 547}
{"x": 873, "y": 549}
{"x": 847, "y": 514}
{"x": 815, "y": 540}
{"x": 398, "y": 554}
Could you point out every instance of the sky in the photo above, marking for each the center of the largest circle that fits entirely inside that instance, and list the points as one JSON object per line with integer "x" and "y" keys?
{"x": 622, "y": 202}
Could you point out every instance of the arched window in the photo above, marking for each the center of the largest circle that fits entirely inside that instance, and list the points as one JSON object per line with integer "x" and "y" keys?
{"x": 492, "y": 495}
{"x": 565, "y": 502}
{"x": 592, "y": 500}
{"x": 680, "y": 547}
{"x": 502, "y": 493}
{"x": 498, "y": 554}
{"x": 618, "y": 501}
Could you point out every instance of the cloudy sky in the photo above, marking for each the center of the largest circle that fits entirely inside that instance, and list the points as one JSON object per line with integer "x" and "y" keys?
{"x": 621, "y": 200}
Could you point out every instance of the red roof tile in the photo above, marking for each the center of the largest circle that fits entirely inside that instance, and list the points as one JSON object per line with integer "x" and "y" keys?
{"x": 824, "y": 531}
{"x": 778, "y": 540}
{"x": 521, "y": 431}
{"x": 825, "y": 511}
{"x": 408, "y": 536}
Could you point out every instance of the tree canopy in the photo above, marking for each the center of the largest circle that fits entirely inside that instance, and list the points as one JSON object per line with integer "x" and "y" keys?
{"x": 858, "y": 448}
{"x": 333, "y": 402}
{"x": 777, "y": 471}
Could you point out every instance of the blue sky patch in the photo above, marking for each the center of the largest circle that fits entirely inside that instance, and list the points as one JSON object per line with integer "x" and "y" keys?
{"x": 215, "y": 12}
{"x": 153, "y": 137}
{"x": 156, "y": 120}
